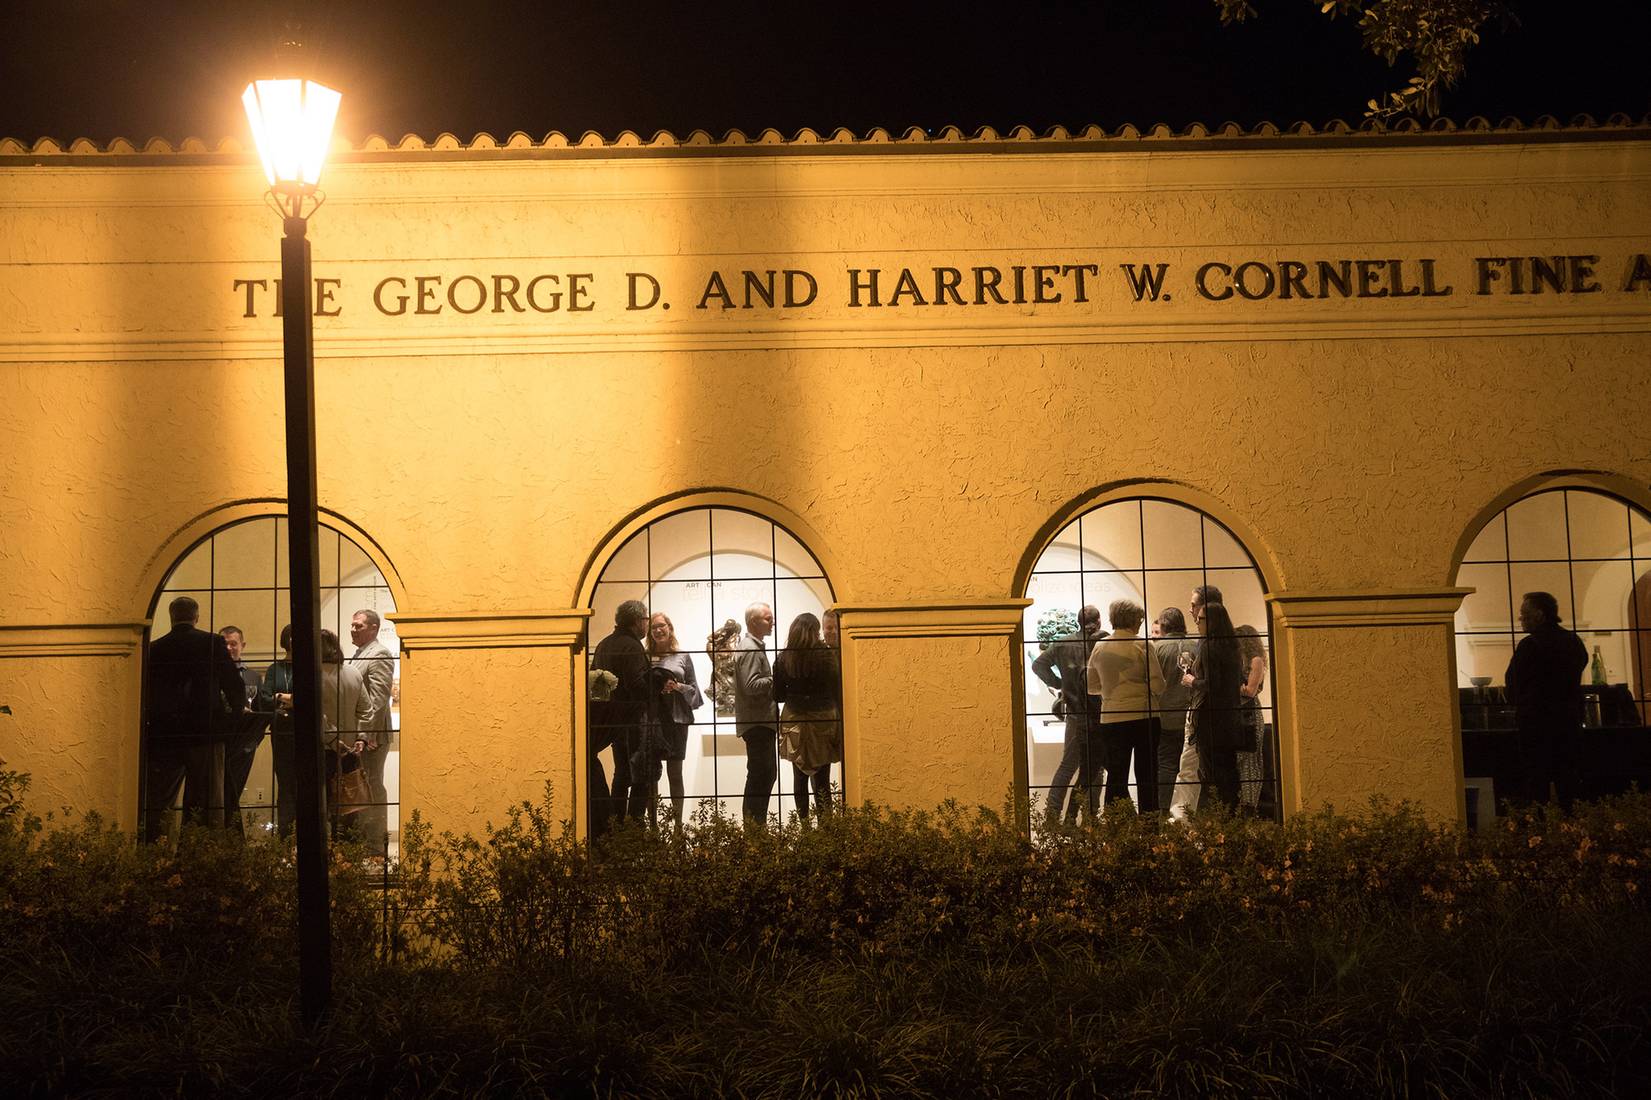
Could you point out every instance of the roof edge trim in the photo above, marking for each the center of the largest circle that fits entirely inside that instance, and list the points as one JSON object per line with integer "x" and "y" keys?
{"x": 879, "y": 139}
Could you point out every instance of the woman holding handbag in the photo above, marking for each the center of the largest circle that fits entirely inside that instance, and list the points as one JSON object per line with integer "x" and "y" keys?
{"x": 808, "y": 685}
{"x": 345, "y": 709}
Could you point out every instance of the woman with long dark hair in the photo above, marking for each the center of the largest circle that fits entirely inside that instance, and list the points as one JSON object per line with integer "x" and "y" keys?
{"x": 1215, "y": 717}
{"x": 808, "y": 685}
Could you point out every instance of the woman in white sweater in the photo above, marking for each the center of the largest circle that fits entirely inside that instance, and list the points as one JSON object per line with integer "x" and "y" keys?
{"x": 1124, "y": 673}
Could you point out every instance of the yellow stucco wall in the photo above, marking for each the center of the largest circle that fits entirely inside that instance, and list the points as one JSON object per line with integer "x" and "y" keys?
{"x": 1372, "y": 683}
{"x": 489, "y": 727}
{"x": 923, "y": 722}
{"x": 1350, "y": 442}
{"x": 74, "y": 692}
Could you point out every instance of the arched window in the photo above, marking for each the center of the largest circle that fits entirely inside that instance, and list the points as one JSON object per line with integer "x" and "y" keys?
{"x": 1153, "y": 553}
{"x": 702, "y": 568}
{"x": 238, "y": 577}
{"x": 1591, "y": 551}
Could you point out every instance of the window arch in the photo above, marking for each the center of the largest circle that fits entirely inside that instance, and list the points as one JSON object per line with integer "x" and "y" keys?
{"x": 1154, "y": 552}
{"x": 237, "y": 574}
{"x": 702, "y": 567}
{"x": 1591, "y": 550}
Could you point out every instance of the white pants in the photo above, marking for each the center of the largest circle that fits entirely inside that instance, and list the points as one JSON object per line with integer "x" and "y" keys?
{"x": 1185, "y": 799}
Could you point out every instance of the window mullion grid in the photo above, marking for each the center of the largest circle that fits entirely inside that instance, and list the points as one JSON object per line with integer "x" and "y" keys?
{"x": 1570, "y": 554}
{"x": 1507, "y": 562}
{"x": 1204, "y": 580}
{"x": 774, "y": 590}
{"x": 1074, "y": 789}
{"x": 275, "y": 652}
{"x": 716, "y": 719}
{"x": 1636, "y": 640}
{"x": 1146, "y": 631}
{"x": 338, "y": 596}
{"x": 648, "y": 590}
{"x": 220, "y": 745}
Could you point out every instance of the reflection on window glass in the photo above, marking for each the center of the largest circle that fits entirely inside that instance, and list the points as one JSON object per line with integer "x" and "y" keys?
{"x": 1106, "y": 714}
{"x": 703, "y": 738}
{"x": 240, "y": 776}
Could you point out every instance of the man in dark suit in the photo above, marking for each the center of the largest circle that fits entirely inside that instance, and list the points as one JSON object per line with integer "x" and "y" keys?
{"x": 618, "y": 720}
{"x": 193, "y": 700}
{"x": 1544, "y": 683}
{"x": 1061, "y": 665}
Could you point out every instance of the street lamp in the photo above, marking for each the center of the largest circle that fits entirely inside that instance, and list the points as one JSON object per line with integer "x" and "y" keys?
{"x": 292, "y": 124}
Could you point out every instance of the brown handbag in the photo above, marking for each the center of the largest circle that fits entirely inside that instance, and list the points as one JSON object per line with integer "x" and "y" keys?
{"x": 347, "y": 791}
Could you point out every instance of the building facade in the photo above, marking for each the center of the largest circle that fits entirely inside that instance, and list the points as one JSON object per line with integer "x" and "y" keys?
{"x": 949, "y": 386}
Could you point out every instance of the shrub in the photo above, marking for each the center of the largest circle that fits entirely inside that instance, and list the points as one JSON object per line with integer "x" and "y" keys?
{"x": 871, "y": 952}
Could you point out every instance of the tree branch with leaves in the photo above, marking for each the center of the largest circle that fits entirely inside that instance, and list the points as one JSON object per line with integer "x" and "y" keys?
{"x": 1432, "y": 35}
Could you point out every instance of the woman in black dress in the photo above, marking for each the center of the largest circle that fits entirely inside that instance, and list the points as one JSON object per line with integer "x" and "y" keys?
{"x": 1218, "y": 726}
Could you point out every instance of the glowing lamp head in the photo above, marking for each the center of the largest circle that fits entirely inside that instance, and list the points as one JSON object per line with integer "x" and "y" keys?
{"x": 292, "y": 124}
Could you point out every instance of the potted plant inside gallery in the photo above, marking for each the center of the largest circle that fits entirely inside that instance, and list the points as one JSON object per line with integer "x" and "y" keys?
{"x": 1054, "y": 624}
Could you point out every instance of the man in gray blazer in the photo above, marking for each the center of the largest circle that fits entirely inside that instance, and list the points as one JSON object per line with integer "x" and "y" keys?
{"x": 376, "y": 664}
{"x": 755, "y": 716}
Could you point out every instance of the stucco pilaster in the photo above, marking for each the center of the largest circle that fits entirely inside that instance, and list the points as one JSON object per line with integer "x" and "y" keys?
{"x": 489, "y": 706}
{"x": 74, "y": 691}
{"x": 1367, "y": 698}
{"x": 929, "y": 702}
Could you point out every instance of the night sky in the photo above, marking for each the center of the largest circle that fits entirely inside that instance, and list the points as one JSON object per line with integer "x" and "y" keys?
{"x": 108, "y": 68}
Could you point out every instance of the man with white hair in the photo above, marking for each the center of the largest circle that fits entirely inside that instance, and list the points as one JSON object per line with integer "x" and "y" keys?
{"x": 755, "y": 717}
{"x": 376, "y": 664}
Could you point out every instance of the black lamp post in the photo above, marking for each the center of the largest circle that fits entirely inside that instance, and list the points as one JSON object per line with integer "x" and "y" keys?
{"x": 292, "y": 124}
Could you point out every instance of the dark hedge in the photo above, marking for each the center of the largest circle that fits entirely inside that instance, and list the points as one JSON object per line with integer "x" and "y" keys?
{"x": 874, "y": 953}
